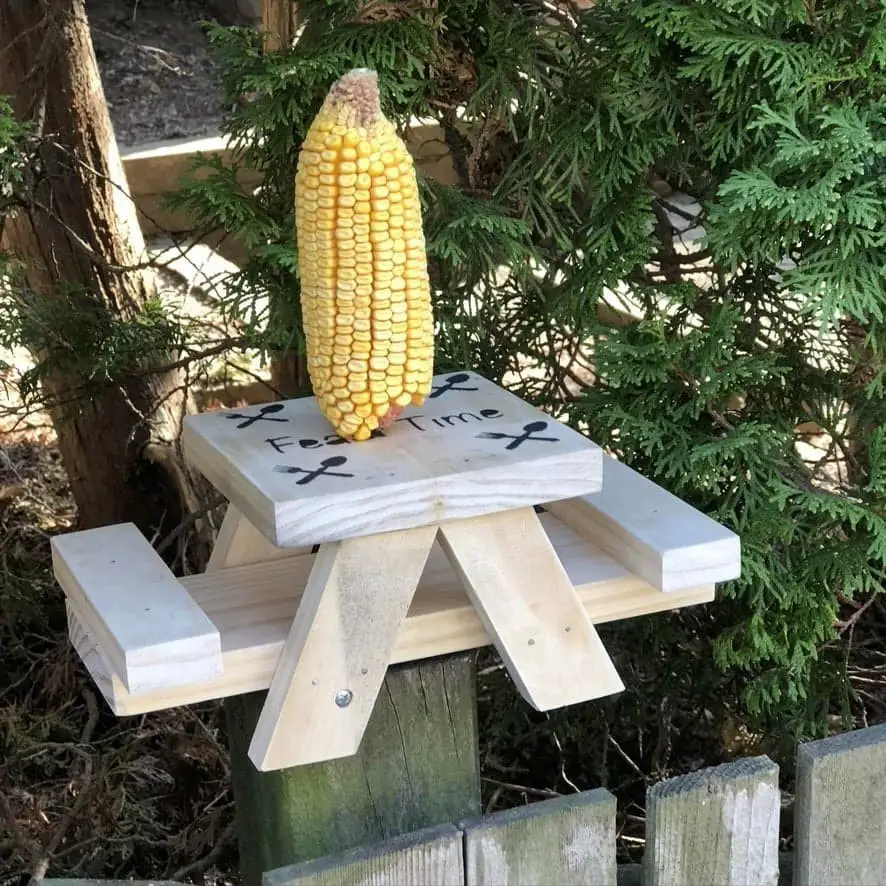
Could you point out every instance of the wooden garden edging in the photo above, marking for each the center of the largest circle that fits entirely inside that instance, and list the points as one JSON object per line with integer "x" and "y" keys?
{"x": 714, "y": 827}
{"x": 155, "y": 169}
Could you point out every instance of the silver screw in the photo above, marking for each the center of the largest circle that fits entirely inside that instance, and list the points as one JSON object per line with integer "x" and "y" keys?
{"x": 531, "y": 642}
{"x": 567, "y": 629}
{"x": 364, "y": 671}
{"x": 315, "y": 682}
{"x": 343, "y": 697}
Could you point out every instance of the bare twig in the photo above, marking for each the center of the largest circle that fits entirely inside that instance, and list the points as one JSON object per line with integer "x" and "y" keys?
{"x": 41, "y": 863}
{"x": 225, "y": 839}
{"x": 562, "y": 757}
{"x": 19, "y": 838}
{"x": 194, "y": 356}
{"x": 154, "y": 51}
{"x": 535, "y": 792}
{"x": 843, "y": 626}
{"x": 189, "y": 522}
{"x": 623, "y": 754}
{"x": 245, "y": 370}
{"x": 220, "y": 749}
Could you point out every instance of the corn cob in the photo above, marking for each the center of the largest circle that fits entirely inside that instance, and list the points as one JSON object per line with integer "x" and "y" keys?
{"x": 365, "y": 295}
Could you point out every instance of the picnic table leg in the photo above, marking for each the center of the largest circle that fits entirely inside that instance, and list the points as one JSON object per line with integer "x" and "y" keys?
{"x": 417, "y": 766}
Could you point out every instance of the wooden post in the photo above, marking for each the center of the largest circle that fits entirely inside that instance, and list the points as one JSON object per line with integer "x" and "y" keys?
{"x": 417, "y": 766}
{"x": 418, "y": 763}
{"x": 289, "y": 373}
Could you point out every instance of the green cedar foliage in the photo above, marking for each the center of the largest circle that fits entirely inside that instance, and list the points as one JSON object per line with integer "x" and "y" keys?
{"x": 558, "y": 265}
{"x": 11, "y": 138}
{"x": 12, "y": 141}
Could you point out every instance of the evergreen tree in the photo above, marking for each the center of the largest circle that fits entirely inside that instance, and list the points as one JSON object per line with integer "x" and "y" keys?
{"x": 708, "y": 341}
{"x": 83, "y": 303}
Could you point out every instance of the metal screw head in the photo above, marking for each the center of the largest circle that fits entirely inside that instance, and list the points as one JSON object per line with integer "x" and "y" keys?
{"x": 343, "y": 697}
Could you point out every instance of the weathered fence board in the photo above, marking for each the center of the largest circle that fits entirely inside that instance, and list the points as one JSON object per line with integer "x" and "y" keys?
{"x": 432, "y": 856}
{"x": 715, "y": 827}
{"x": 840, "y": 816}
{"x": 64, "y": 881}
{"x": 569, "y": 841}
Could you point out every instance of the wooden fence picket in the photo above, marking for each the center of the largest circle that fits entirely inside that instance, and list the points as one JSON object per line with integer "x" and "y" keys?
{"x": 567, "y": 840}
{"x": 430, "y": 856}
{"x": 840, "y": 817}
{"x": 715, "y": 826}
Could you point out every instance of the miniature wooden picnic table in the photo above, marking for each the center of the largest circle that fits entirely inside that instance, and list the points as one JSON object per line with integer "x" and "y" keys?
{"x": 474, "y": 519}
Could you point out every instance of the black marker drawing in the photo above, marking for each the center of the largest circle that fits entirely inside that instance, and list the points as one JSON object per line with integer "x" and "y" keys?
{"x": 328, "y": 440}
{"x": 263, "y": 415}
{"x": 452, "y": 384}
{"x": 335, "y": 461}
{"x": 280, "y": 444}
{"x": 519, "y": 439}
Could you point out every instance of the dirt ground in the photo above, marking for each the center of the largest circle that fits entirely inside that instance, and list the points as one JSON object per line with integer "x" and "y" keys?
{"x": 159, "y": 79}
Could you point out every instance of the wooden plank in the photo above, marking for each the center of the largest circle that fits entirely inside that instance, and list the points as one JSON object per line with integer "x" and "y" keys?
{"x": 153, "y": 633}
{"x": 154, "y": 217}
{"x": 239, "y": 543}
{"x": 334, "y": 660}
{"x": 66, "y": 881}
{"x": 656, "y": 535}
{"x": 156, "y": 168}
{"x": 569, "y": 841}
{"x": 417, "y": 767}
{"x": 528, "y": 605}
{"x": 86, "y": 645}
{"x": 253, "y": 608}
{"x": 715, "y": 826}
{"x": 839, "y": 816}
{"x": 426, "y": 141}
{"x": 472, "y": 449}
{"x": 429, "y": 856}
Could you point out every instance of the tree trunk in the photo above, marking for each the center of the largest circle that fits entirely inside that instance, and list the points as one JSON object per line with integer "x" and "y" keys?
{"x": 81, "y": 245}
{"x": 289, "y": 370}
{"x": 278, "y": 22}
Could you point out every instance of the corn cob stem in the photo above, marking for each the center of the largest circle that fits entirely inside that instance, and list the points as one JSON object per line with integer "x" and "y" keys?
{"x": 365, "y": 294}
